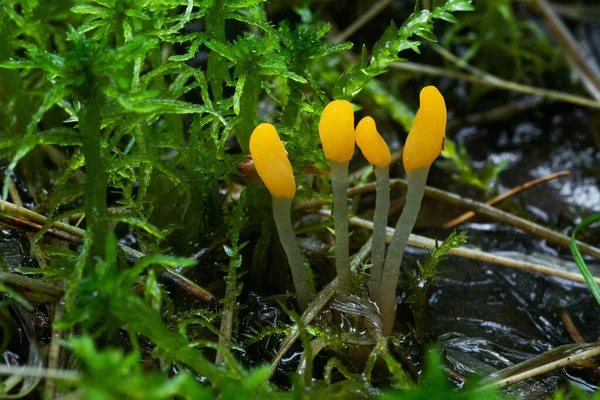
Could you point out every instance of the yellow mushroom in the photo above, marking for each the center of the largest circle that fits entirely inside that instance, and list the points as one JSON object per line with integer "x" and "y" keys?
{"x": 336, "y": 129}
{"x": 372, "y": 145}
{"x": 425, "y": 141}
{"x": 377, "y": 152}
{"x": 271, "y": 161}
{"x": 423, "y": 145}
{"x": 275, "y": 170}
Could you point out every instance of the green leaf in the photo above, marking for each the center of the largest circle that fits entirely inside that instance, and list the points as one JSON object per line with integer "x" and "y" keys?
{"x": 62, "y": 136}
{"x": 239, "y": 90}
{"x": 140, "y": 223}
{"x": 222, "y": 49}
{"x": 89, "y": 9}
{"x": 587, "y": 275}
{"x": 392, "y": 42}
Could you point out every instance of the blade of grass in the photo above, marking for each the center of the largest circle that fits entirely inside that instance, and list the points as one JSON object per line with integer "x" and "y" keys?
{"x": 587, "y": 275}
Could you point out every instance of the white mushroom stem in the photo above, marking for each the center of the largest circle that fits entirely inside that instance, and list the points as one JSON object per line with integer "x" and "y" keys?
{"x": 386, "y": 297}
{"x": 282, "y": 215}
{"x": 339, "y": 185}
{"x": 382, "y": 208}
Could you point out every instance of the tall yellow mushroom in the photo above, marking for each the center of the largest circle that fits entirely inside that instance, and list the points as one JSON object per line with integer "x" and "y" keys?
{"x": 274, "y": 168}
{"x": 377, "y": 152}
{"x": 336, "y": 130}
{"x": 423, "y": 145}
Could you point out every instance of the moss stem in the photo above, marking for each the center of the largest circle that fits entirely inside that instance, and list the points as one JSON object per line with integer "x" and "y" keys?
{"x": 339, "y": 183}
{"x": 96, "y": 182}
{"x": 281, "y": 214}
{"x": 382, "y": 208}
{"x": 386, "y": 297}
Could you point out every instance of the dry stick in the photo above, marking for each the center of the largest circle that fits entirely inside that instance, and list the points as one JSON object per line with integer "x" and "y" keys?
{"x": 490, "y": 212}
{"x": 34, "y": 285}
{"x": 54, "y": 350}
{"x": 468, "y": 215}
{"x": 527, "y": 226}
{"x": 584, "y": 66}
{"x": 63, "y": 374}
{"x": 179, "y": 280}
{"x": 428, "y": 243}
{"x": 22, "y": 224}
{"x": 463, "y": 64}
{"x": 578, "y": 12}
{"x": 567, "y": 360}
{"x": 39, "y": 255}
{"x": 482, "y": 209}
{"x": 74, "y": 234}
{"x": 40, "y": 219}
{"x": 483, "y": 78}
{"x": 496, "y": 114}
{"x": 362, "y": 20}
{"x": 571, "y": 328}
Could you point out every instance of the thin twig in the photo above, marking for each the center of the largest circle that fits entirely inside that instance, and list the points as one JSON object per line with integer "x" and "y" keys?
{"x": 579, "y": 11}
{"x": 362, "y": 20}
{"x": 470, "y": 214}
{"x": 571, "y": 328}
{"x": 428, "y": 243}
{"x": 54, "y": 350}
{"x": 568, "y": 359}
{"x": 28, "y": 226}
{"x": 179, "y": 280}
{"x": 31, "y": 284}
{"x": 483, "y": 78}
{"x": 584, "y": 66}
{"x": 482, "y": 209}
{"x": 74, "y": 234}
{"x": 5, "y": 206}
{"x": 62, "y": 374}
{"x": 501, "y": 113}
{"x": 39, "y": 255}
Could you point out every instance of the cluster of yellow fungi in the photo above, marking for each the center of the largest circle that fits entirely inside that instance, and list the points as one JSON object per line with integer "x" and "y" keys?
{"x": 338, "y": 136}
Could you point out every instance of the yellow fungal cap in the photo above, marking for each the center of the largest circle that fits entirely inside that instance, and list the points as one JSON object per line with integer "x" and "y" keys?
{"x": 271, "y": 161}
{"x": 336, "y": 129}
{"x": 372, "y": 145}
{"x": 425, "y": 140}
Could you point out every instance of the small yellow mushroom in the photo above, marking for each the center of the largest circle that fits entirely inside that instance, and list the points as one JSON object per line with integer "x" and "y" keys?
{"x": 271, "y": 161}
{"x": 336, "y": 129}
{"x": 425, "y": 141}
{"x": 377, "y": 152}
{"x": 275, "y": 170}
{"x": 372, "y": 145}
